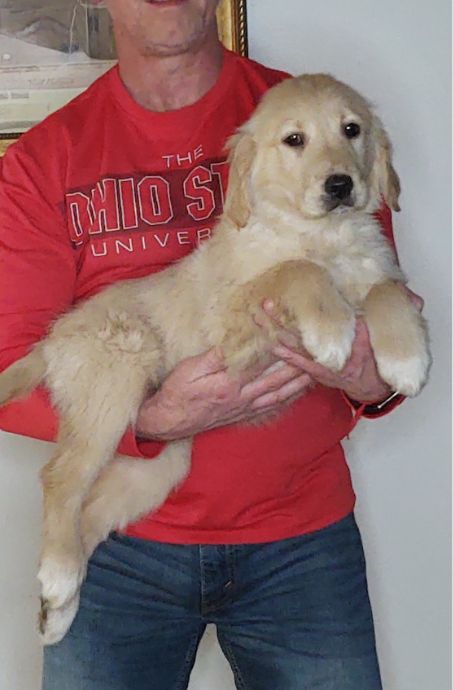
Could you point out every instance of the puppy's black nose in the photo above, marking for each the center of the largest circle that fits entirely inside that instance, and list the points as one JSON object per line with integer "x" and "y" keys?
{"x": 339, "y": 186}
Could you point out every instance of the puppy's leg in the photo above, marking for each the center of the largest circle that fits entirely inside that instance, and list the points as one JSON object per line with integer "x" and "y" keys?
{"x": 126, "y": 489}
{"x": 86, "y": 443}
{"x": 129, "y": 487}
{"x": 398, "y": 337}
{"x": 307, "y": 300}
{"x": 96, "y": 405}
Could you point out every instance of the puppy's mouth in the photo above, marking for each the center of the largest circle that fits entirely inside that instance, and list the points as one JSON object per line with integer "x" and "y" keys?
{"x": 332, "y": 204}
{"x": 165, "y": 3}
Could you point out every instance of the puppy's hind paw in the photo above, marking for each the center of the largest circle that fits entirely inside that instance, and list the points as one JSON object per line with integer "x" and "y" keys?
{"x": 53, "y": 624}
{"x": 60, "y": 579}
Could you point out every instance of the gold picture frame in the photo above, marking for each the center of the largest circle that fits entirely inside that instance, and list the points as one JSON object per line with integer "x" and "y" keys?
{"x": 232, "y": 23}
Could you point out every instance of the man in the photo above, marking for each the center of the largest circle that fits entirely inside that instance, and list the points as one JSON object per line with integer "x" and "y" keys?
{"x": 123, "y": 181}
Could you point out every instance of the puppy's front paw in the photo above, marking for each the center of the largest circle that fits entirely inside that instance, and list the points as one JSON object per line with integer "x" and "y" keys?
{"x": 328, "y": 333}
{"x": 406, "y": 376}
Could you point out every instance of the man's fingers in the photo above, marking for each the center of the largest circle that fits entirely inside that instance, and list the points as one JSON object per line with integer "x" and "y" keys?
{"x": 263, "y": 316}
{"x": 254, "y": 372}
{"x": 362, "y": 335}
{"x": 299, "y": 361}
{"x": 416, "y": 300}
{"x": 210, "y": 362}
{"x": 269, "y": 309}
{"x": 269, "y": 382}
{"x": 287, "y": 337}
{"x": 291, "y": 389}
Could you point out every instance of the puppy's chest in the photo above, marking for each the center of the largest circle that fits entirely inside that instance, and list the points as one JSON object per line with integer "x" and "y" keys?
{"x": 349, "y": 249}
{"x": 354, "y": 262}
{"x": 342, "y": 261}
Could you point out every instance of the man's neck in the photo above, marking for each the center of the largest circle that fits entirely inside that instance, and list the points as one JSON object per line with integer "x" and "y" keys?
{"x": 170, "y": 83}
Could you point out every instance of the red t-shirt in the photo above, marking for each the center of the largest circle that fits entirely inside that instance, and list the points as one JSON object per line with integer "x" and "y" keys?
{"x": 106, "y": 190}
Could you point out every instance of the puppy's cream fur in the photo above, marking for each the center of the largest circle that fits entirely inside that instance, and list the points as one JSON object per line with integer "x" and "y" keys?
{"x": 278, "y": 239}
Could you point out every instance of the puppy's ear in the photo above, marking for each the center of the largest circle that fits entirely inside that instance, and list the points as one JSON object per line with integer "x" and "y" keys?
{"x": 385, "y": 178}
{"x": 237, "y": 203}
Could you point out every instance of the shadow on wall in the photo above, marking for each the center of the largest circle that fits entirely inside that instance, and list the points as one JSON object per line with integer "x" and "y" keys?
{"x": 64, "y": 25}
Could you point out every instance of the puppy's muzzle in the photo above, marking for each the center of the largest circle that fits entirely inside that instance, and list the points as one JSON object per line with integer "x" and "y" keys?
{"x": 338, "y": 190}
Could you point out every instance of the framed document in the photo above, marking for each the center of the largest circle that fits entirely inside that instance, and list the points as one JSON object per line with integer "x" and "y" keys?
{"x": 51, "y": 50}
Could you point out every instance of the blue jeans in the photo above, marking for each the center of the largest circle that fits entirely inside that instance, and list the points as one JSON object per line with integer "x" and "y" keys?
{"x": 290, "y": 615}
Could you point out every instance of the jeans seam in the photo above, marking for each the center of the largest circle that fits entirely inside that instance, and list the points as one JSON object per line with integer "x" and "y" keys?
{"x": 191, "y": 650}
{"x": 232, "y": 561}
{"x": 228, "y": 651}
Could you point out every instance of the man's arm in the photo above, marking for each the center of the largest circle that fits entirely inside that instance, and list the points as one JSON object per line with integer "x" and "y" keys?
{"x": 38, "y": 270}
{"x": 37, "y": 279}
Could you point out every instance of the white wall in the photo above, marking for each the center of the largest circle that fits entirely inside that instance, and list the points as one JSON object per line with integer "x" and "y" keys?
{"x": 397, "y": 52}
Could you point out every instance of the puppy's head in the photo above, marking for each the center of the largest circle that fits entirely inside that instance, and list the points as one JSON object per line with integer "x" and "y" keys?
{"x": 313, "y": 147}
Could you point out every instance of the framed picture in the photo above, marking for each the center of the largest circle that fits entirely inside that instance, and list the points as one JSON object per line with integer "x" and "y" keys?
{"x": 232, "y": 22}
{"x": 51, "y": 50}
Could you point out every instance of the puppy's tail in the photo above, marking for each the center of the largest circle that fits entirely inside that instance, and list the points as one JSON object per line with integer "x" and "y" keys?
{"x": 22, "y": 376}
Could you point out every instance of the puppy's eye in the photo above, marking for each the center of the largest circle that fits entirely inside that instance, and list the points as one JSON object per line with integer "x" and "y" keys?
{"x": 351, "y": 130}
{"x": 294, "y": 140}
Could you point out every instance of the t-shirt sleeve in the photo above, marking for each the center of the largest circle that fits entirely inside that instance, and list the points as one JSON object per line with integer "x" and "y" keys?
{"x": 37, "y": 263}
{"x": 38, "y": 269}
{"x": 384, "y": 216}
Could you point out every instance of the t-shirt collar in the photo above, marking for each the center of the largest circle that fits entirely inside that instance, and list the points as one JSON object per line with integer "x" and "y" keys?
{"x": 183, "y": 117}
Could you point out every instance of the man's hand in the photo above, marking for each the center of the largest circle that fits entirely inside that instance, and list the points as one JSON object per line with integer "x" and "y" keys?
{"x": 199, "y": 394}
{"x": 359, "y": 379}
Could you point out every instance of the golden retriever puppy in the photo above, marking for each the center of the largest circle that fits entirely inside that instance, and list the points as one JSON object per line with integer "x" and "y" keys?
{"x": 307, "y": 171}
